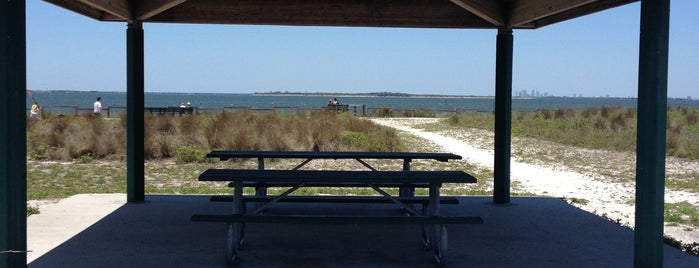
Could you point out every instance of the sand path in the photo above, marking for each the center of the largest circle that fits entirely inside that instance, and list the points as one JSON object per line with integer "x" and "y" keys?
{"x": 608, "y": 199}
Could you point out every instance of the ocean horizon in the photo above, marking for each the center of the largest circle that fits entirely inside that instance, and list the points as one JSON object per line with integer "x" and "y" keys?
{"x": 84, "y": 100}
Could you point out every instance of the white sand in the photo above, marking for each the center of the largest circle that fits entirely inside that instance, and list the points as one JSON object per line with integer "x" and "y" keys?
{"x": 607, "y": 199}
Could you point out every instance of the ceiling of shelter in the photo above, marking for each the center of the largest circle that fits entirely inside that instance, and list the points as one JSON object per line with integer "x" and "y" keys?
{"x": 519, "y": 14}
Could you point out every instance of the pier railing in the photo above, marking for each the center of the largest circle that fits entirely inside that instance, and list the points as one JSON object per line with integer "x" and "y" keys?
{"x": 76, "y": 110}
{"x": 353, "y": 109}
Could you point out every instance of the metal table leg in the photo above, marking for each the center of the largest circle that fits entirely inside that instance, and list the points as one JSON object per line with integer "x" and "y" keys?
{"x": 233, "y": 242}
{"x": 235, "y": 229}
{"x": 438, "y": 239}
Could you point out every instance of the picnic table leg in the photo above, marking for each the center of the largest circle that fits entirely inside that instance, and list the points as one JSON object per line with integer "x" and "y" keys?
{"x": 235, "y": 229}
{"x": 260, "y": 191}
{"x": 406, "y": 191}
{"x": 232, "y": 244}
{"x": 424, "y": 227}
{"x": 438, "y": 240}
{"x": 441, "y": 253}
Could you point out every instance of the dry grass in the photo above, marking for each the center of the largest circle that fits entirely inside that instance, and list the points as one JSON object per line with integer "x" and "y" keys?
{"x": 67, "y": 138}
{"x": 595, "y": 128}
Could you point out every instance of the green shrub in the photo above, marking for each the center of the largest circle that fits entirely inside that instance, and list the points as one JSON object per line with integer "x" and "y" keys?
{"x": 188, "y": 154}
{"x": 40, "y": 152}
{"x": 32, "y": 210}
{"x": 384, "y": 112}
{"x": 365, "y": 141}
{"x": 84, "y": 159}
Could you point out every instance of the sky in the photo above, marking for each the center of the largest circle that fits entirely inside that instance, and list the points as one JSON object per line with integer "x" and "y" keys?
{"x": 592, "y": 56}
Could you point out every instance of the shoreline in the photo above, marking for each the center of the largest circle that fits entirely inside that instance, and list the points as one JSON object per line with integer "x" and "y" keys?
{"x": 350, "y": 95}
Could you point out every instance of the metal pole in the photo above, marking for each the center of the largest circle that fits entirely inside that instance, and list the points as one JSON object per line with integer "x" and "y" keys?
{"x": 503, "y": 115}
{"x": 134, "y": 113}
{"x": 650, "y": 138}
{"x": 13, "y": 139}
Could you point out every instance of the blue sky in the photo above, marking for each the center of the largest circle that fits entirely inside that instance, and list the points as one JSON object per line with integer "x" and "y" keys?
{"x": 596, "y": 55}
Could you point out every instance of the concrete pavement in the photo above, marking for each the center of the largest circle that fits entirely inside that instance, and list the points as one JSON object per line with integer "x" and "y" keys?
{"x": 530, "y": 232}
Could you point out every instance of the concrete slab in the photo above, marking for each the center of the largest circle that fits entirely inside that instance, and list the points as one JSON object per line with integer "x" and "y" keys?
{"x": 58, "y": 222}
{"x": 531, "y": 232}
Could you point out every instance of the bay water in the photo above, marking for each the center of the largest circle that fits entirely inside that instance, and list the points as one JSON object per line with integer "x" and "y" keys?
{"x": 84, "y": 99}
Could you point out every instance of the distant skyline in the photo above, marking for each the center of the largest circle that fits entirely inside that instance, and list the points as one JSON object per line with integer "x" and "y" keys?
{"x": 592, "y": 56}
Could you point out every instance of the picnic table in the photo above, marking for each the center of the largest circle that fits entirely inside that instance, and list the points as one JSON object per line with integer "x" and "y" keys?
{"x": 407, "y": 158}
{"x": 434, "y": 226}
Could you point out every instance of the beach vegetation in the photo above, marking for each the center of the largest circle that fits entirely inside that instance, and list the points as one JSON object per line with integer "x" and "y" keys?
{"x": 186, "y": 154}
{"x": 392, "y": 112}
{"x": 682, "y": 213}
{"x": 67, "y": 138}
{"x": 384, "y": 112}
{"x": 31, "y": 210}
{"x": 597, "y": 128}
{"x": 84, "y": 159}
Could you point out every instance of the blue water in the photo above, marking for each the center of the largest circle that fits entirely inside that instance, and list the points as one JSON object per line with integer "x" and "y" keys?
{"x": 217, "y": 101}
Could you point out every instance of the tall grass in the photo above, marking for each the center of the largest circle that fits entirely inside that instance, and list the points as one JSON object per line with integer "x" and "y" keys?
{"x": 391, "y": 112}
{"x": 68, "y": 137}
{"x": 600, "y": 128}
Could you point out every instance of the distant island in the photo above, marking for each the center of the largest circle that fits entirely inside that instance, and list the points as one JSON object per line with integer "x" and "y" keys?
{"x": 366, "y": 95}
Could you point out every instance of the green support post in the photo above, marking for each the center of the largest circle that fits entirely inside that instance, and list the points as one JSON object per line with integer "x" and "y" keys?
{"x": 503, "y": 115}
{"x": 134, "y": 113}
{"x": 13, "y": 138}
{"x": 650, "y": 139}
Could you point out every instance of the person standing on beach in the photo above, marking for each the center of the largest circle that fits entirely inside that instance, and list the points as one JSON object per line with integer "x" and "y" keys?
{"x": 97, "y": 106}
{"x": 34, "y": 112}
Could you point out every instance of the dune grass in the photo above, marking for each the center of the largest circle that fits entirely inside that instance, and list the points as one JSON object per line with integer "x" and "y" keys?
{"x": 69, "y": 155}
{"x": 67, "y": 138}
{"x": 597, "y": 128}
{"x": 176, "y": 146}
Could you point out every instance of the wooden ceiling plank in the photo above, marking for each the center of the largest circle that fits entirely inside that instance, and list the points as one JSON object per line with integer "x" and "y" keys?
{"x": 150, "y": 8}
{"x": 526, "y": 11}
{"x": 518, "y": 14}
{"x": 77, "y": 8}
{"x": 489, "y": 10}
{"x": 118, "y": 8}
{"x": 433, "y": 13}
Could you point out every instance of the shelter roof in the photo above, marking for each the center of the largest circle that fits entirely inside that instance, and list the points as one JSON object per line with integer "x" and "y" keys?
{"x": 478, "y": 14}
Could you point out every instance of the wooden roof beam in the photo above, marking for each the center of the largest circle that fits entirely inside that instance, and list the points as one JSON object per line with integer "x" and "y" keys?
{"x": 117, "y": 8}
{"x": 538, "y": 13}
{"x": 362, "y": 13}
{"x": 83, "y": 9}
{"x": 488, "y": 10}
{"x": 150, "y": 8}
{"x": 527, "y": 12}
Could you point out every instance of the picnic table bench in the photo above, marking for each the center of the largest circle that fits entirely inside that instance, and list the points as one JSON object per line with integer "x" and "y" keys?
{"x": 434, "y": 231}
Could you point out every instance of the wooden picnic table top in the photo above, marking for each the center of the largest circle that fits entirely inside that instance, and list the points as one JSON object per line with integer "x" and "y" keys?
{"x": 336, "y": 176}
{"x": 225, "y": 155}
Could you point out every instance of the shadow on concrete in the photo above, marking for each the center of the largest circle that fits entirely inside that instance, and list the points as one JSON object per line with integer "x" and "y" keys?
{"x": 531, "y": 232}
